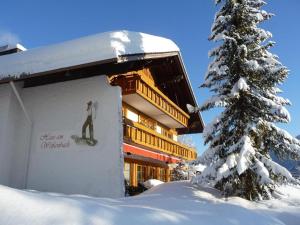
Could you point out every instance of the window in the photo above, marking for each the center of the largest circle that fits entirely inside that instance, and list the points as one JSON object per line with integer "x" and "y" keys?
{"x": 127, "y": 172}
{"x": 175, "y": 138}
{"x": 132, "y": 116}
{"x": 152, "y": 173}
{"x": 162, "y": 174}
{"x": 141, "y": 172}
{"x": 158, "y": 129}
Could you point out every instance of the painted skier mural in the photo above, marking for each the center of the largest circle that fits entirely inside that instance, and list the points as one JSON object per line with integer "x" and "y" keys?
{"x": 87, "y": 132}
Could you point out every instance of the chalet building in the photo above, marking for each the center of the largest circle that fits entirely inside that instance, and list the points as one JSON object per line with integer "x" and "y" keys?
{"x": 79, "y": 116}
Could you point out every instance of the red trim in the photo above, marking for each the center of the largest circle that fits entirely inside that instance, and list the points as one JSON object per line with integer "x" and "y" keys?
{"x": 146, "y": 153}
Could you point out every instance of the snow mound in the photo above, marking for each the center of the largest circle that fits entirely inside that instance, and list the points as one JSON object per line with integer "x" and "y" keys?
{"x": 199, "y": 167}
{"x": 178, "y": 203}
{"x": 152, "y": 183}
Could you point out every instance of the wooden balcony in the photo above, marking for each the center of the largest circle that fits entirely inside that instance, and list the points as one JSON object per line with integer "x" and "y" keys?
{"x": 145, "y": 97}
{"x": 139, "y": 134}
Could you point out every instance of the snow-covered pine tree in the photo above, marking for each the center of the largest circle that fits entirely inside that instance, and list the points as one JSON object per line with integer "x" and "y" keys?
{"x": 244, "y": 76}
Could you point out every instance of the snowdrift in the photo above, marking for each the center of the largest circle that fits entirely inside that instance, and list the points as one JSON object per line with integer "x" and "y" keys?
{"x": 177, "y": 203}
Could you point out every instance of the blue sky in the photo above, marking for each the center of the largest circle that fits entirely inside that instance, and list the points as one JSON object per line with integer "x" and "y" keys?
{"x": 37, "y": 23}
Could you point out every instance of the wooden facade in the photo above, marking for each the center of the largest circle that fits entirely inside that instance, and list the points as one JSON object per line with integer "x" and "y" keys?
{"x": 150, "y": 122}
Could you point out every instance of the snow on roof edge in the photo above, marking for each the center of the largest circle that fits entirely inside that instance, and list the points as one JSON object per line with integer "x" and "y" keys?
{"x": 89, "y": 49}
{"x": 9, "y": 46}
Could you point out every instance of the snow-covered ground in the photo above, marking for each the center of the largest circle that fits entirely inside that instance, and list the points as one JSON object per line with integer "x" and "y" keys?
{"x": 170, "y": 203}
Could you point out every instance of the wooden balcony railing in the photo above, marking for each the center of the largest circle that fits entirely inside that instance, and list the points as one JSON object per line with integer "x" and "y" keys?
{"x": 142, "y": 135}
{"x": 132, "y": 84}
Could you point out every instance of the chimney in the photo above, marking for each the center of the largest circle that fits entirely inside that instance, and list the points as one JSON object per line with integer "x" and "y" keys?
{"x": 11, "y": 48}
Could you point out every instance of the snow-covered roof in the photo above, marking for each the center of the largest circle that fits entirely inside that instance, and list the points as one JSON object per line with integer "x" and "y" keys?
{"x": 94, "y": 48}
{"x": 8, "y": 47}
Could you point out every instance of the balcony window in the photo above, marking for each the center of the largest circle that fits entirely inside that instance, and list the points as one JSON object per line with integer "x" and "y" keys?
{"x": 132, "y": 116}
{"x": 158, "y": 129}
{"x": 175, "y": 138}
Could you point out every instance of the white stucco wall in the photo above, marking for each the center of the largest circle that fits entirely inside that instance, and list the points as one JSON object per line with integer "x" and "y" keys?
{"x": 5, "y": 153}
{"x": 59, "y": 110}
{"x": 18, "y": 140}
{"x": 14, "y": 139}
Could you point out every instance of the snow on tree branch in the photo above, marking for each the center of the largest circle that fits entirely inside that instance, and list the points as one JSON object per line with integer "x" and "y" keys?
{"x": 244, "y": 77}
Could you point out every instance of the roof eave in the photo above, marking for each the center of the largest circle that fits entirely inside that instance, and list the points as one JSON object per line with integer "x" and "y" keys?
{"x": 7, "y": 79}
{"x": 190, "y": 88}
